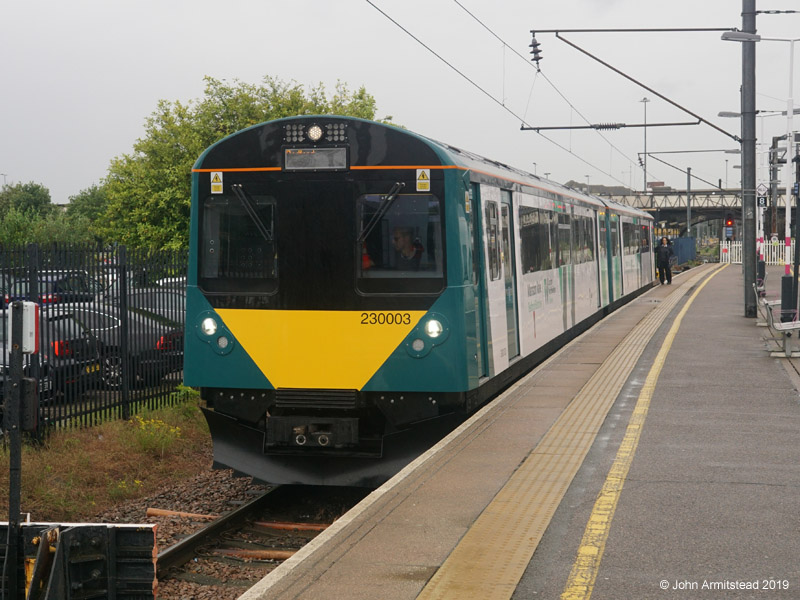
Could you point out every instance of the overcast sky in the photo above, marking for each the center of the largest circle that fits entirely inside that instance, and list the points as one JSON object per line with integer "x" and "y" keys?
{"x": 80, "y": 78}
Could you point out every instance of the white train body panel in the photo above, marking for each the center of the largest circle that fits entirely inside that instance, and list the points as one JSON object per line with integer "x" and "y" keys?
{"x": 558, "y": 285}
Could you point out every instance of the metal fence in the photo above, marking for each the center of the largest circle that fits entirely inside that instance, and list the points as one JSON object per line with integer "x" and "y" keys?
{"x": 110, "y": 329}
{"x": 731, "y": 252}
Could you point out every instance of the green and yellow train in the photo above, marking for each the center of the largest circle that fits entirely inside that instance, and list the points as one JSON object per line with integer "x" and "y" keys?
{"x": 356, "y": 290}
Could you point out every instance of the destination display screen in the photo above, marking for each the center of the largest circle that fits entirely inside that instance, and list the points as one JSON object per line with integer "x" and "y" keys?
{"x": 315, "y": 159}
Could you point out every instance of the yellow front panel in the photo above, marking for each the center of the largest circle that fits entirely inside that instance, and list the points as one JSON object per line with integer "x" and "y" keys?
{"x": 319, "y": 349}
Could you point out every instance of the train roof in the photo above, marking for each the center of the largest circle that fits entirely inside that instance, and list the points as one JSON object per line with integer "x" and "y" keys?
{"x": 446, "y": 153}
{"x": 476, "y": 162}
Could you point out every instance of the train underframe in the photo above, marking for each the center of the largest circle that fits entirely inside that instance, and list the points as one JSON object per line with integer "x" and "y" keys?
{"x": 326, "y": 437}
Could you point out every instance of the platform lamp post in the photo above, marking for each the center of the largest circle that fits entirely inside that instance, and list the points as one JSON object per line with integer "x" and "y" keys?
{"x": 762, "y": 115}
{"x": 788, "y": 302}
{"x": 644, "y": 102}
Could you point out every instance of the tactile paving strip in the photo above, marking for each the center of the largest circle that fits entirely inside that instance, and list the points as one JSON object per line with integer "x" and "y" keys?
{"x": 493, "y": 555}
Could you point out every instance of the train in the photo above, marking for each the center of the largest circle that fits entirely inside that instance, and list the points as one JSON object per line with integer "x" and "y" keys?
{"x": 356, "y": 290}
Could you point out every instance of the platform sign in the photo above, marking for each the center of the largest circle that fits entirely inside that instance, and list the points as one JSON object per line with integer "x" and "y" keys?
{"x": 761, "y": 202}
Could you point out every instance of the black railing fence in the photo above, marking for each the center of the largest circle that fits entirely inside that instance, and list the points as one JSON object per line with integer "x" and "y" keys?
{"x": 110, "y": 329}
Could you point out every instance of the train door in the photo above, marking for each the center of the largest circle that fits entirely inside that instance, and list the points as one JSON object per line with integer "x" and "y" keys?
{"x": 647, "y": 254}
{"x": 509, "y": 273}
{"x": 602, "y": 259}
{"x": 566, "y": 271}
{"x": 616, "y": 256}
{"x": 478, "y": 284}
{"x": 497, "y": 327}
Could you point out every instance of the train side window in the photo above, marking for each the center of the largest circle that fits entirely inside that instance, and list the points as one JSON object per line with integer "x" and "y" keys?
{"x": 629, "y": 242}
{"x": 645, "y": 233}
{"x": 614, "y": 237}
{"x": 564, "y": 242}
{"x": 583, "y": 239}
{"x": 536, "y": 252}
{"x": 403, "y": 250}
{"x": 493, "y": 240}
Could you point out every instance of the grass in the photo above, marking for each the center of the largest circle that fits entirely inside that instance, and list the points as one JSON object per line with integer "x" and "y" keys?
{"x": 80, "y": 472}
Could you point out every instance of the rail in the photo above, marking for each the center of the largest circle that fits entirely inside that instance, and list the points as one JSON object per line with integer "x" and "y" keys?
{"x": 183, "y": 551}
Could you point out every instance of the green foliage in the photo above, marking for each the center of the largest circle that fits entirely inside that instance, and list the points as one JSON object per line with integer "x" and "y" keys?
{"x": 148, "y": 192}
{"x": 29, "y": 198}
{"x": 89, "y": 204}
{"x": 154, "y": 436}
{"x": 123, "y": 489}
{"x": 20, "y": 227}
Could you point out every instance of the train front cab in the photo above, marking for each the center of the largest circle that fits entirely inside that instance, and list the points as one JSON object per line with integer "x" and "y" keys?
{"x": 314, "y": 341}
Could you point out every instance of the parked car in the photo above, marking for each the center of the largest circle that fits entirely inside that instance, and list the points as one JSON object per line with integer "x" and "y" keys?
{"x": 55, "y": 287}
{"x": 68, "y": 356}
{"x": 154, "y": 344}
{"x": 165, "y": 305}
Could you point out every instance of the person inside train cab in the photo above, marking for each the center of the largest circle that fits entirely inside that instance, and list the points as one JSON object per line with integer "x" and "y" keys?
{"x": 663, "y": 257}
{"x": 409, "y": 249}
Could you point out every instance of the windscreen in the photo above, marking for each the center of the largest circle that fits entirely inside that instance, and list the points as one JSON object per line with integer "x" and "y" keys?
{"x": 237, "y": 246}
{"x": 401, "y": 244}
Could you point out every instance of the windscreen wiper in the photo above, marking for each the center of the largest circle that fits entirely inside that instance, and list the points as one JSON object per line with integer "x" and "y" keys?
{"x": 239, "y": 192}
{"x": 386, "y": 203}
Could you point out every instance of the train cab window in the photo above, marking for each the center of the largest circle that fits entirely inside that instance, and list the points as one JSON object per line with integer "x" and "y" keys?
{"x": 237, "y": 245}
{"x": 400, "y": 244}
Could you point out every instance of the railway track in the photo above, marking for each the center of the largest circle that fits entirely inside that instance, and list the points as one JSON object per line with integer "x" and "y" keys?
{"x": 240, "y": 547}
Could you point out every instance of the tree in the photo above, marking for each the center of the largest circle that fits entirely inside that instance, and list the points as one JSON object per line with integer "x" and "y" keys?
{"x": 149, "y": 191}
{"x": 25, "y": 197}
{"x": 19, "y": 228}
{"x": 90, "y": 203}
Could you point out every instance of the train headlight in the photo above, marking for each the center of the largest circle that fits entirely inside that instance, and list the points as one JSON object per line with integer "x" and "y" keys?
{"x": 433, "y": 328}
{"x": 432, "y": 331}
{"x": 208, "y": 326}
{"x": 314, "y": 133}
{"x": 211, "y": 330}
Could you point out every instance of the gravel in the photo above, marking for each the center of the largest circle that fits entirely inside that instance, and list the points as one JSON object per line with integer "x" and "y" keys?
{"x": 210, "y": 492}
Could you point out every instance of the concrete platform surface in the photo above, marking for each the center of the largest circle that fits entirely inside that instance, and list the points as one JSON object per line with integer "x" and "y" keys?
{"x": 706, "y": 504}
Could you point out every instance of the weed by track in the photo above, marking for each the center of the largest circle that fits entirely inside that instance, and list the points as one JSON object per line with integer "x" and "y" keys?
{"x": 77, "y": 473}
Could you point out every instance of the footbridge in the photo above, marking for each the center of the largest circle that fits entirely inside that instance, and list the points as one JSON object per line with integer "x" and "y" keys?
{"x": 669, "y": 208}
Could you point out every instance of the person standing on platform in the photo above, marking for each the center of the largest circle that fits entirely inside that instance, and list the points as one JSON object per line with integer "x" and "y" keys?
{"x": 663, "y": 256}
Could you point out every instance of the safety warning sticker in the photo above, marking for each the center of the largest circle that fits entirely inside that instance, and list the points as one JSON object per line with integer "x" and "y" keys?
{"x": 423, "y": 180}
{"x": 216, "y": 182}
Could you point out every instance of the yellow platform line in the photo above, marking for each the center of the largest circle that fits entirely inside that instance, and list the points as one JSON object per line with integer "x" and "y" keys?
{"x": 490, "y": 559}
{"x": 580, "y": 582}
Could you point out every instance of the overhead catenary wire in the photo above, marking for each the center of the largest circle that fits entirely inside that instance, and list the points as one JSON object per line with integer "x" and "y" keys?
{"x": 487, "y": 93}
{"x": 714, "y": 185}
{"x": 547, "y": 79}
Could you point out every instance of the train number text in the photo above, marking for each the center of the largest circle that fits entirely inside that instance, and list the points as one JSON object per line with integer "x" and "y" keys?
{"x": 372, "y": 318}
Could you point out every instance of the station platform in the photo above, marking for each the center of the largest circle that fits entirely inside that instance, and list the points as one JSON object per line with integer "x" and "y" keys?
{"x": 655, "y": 456}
